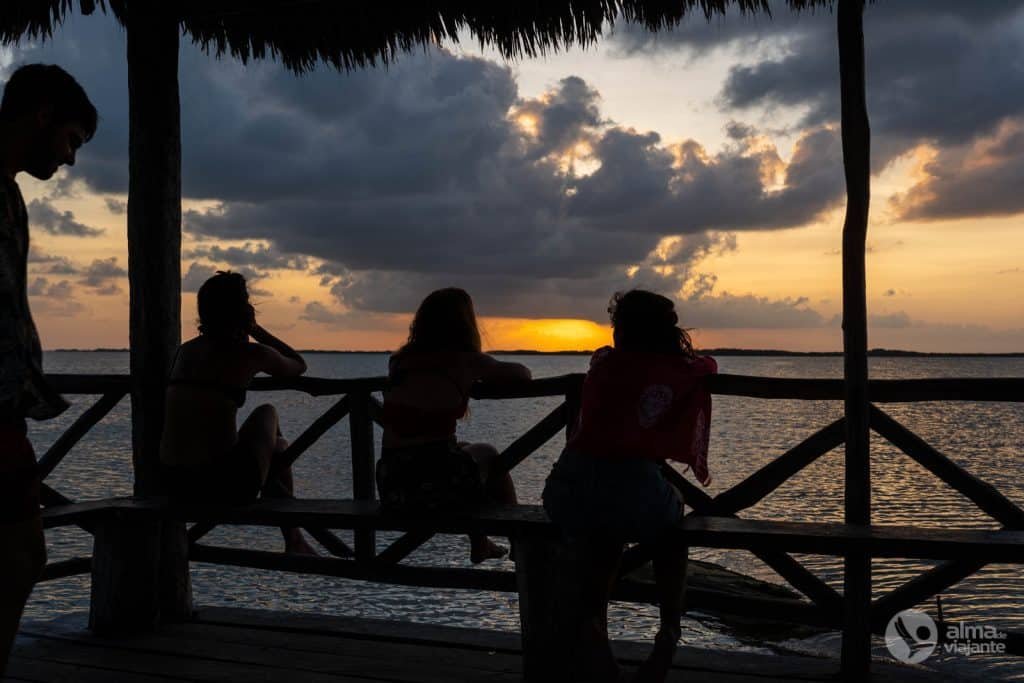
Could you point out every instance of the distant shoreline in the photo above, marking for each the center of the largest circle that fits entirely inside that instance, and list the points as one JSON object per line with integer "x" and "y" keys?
{"x": 875, "y": 353}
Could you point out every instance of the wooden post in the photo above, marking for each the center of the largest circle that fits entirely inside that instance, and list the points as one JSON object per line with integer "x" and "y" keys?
{"x": 154, "y": 265}
{"x": 363, "y": 464}
{"x": 547, "y": 609}
{"x": 125, "y": 596}
{"x": 856, "y": 135}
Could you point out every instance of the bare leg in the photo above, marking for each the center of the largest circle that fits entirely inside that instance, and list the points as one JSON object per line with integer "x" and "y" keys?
{"x": 498, "y": 488}
{"x": 592, "y": 653}
{"x": 24, "y": 551}
{"x": 261, "y": 436}
{"x": 670, "y": 576}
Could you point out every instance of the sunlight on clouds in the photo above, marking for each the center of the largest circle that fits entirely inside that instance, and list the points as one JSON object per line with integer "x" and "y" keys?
{"x": 529, "y": 124}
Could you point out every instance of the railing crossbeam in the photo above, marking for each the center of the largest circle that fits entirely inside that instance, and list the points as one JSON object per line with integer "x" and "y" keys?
{"x": 757, "y": 486}
{"x": 79, "y": 428}
{"x": 534, "y": 438}
{"x": 403, "y": 546}
{"x": 798, "y": 576}
{"x": 981, "y": 493}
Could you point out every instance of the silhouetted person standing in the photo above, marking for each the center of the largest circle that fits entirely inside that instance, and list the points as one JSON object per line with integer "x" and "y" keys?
{"x": 45, "y": 116}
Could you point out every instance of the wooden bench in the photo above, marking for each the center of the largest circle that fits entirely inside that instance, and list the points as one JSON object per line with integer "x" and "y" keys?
{"x": 120, "y": 595}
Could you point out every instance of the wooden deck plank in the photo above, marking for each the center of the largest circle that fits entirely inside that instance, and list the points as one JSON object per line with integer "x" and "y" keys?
{"x": 350, "y": 658}
{"x": 37, "y": 670}
{"x": 107, "y": 654}
{"x": 231, "y": 644}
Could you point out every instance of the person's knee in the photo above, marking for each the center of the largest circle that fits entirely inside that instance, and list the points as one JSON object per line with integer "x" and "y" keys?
{"x": 266, "y": 411}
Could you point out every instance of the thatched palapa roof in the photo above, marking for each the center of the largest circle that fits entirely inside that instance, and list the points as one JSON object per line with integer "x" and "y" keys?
{"x": 345, "y": 34}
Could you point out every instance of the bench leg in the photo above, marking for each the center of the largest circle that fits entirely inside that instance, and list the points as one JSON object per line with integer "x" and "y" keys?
{"x": 546, "y": 609}
{"x": 856, "y": 653}
{"x": 125, "y": 574}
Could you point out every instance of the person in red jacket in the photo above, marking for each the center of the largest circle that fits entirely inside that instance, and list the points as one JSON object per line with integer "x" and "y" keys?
{"x": 644, "y": 402}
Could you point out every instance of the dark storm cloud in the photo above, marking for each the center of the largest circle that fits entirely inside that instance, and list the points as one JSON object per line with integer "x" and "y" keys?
{"x": 43, "y": 215}
{"x": 255, "y": 255}
{"x": 939, "y": 72}
{"x": 436, "y": 172}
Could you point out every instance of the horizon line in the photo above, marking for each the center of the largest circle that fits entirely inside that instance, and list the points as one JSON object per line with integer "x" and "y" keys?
{"x": 722, "y": 351}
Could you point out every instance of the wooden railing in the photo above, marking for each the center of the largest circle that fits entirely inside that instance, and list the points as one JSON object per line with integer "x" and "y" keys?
{"x": 355, "y": 401}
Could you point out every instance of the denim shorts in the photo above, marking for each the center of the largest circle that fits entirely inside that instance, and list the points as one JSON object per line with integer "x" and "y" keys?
{"x": 616, "y": 499}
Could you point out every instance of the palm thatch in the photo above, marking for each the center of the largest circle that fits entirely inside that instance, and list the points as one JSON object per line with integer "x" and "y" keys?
{"x": 347, "y": 35}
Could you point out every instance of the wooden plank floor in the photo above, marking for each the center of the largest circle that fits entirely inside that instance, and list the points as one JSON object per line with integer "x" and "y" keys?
{"x": 241, "y": 645}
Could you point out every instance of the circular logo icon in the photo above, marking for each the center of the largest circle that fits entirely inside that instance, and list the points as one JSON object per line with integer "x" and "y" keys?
{"x": 911, "y": 636}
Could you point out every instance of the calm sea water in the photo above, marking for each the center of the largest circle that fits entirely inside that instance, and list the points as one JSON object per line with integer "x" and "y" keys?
{"x": 746, "y": 433}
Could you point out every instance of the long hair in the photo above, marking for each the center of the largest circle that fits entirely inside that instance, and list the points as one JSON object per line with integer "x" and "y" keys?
{"x": 444, "y": 321}
{"x": 645, "y": 321}
{"x": 225, "y": 313}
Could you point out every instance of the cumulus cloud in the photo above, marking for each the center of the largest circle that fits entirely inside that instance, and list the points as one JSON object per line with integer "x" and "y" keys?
{"x": 115, "y": 206}
{"x": 196, "y": 275}
{"x": 40, "y": 261}
{"x": 955, "y": 84}
{"x": 102, "y": 276}
{"x": 43, "y": 215}
{"x": 255, "y": 255}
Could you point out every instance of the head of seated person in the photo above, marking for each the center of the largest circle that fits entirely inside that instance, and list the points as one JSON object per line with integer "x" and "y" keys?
{"x": 225, "y": 314}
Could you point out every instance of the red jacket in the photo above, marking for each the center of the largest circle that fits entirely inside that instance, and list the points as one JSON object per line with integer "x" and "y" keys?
{"x": 646, "y": 405}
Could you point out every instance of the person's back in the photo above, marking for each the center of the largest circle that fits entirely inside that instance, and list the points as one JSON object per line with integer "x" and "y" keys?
{"x": 423, "y": 466}
{"x": 644, "y": 402}
{"x": 206, "y": 457}
{"x": 204, "y": 392}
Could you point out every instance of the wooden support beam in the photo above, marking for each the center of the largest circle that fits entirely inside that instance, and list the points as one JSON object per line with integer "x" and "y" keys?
{"x": 79, "y": 428}
{"x": 198, "y": 530}
{"x": 334, "y": 545}
{"x": 757, "y": 486}
{"x": 535, "y": 437}
{"x": 798, "y": 576}
{"x": 981, "y": 493}
{"x": 64, "y": 568}
{"x": 313, "y": 432}
{"x": 403, "y": 546}
{"x": 920, "y": 588}
{"x": 125, "y": 593}
{"x": 363, "y": 465}
{"x": 548, "y": 608}
{"x": 432, "y": 577}
{"x": 856, "y": 139}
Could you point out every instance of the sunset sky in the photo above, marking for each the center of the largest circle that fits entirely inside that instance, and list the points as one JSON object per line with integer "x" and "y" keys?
{"x": 703, "y": 163}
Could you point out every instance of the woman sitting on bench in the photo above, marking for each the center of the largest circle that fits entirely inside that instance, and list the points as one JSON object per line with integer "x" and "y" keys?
{"x": 422, "y": 466}
{"x": 206, "y": 456}
{"x": 644, "y": 402}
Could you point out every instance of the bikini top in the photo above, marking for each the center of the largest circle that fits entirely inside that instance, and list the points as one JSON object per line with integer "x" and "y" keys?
{"x": 232, "y": 393}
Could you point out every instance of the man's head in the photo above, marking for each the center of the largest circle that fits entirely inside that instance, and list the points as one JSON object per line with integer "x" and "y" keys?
{"x": 53, "y": 113}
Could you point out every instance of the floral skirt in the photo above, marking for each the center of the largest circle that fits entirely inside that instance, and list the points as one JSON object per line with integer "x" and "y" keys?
{"x": 431, "y": 477}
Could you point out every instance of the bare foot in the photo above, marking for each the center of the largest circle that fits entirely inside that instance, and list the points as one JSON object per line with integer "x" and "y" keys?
{"x": 486, "y": 549}
{"x": 296, "y": 544}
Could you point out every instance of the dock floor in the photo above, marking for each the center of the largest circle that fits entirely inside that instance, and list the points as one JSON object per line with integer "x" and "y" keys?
{"x": 236, "y": 645}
